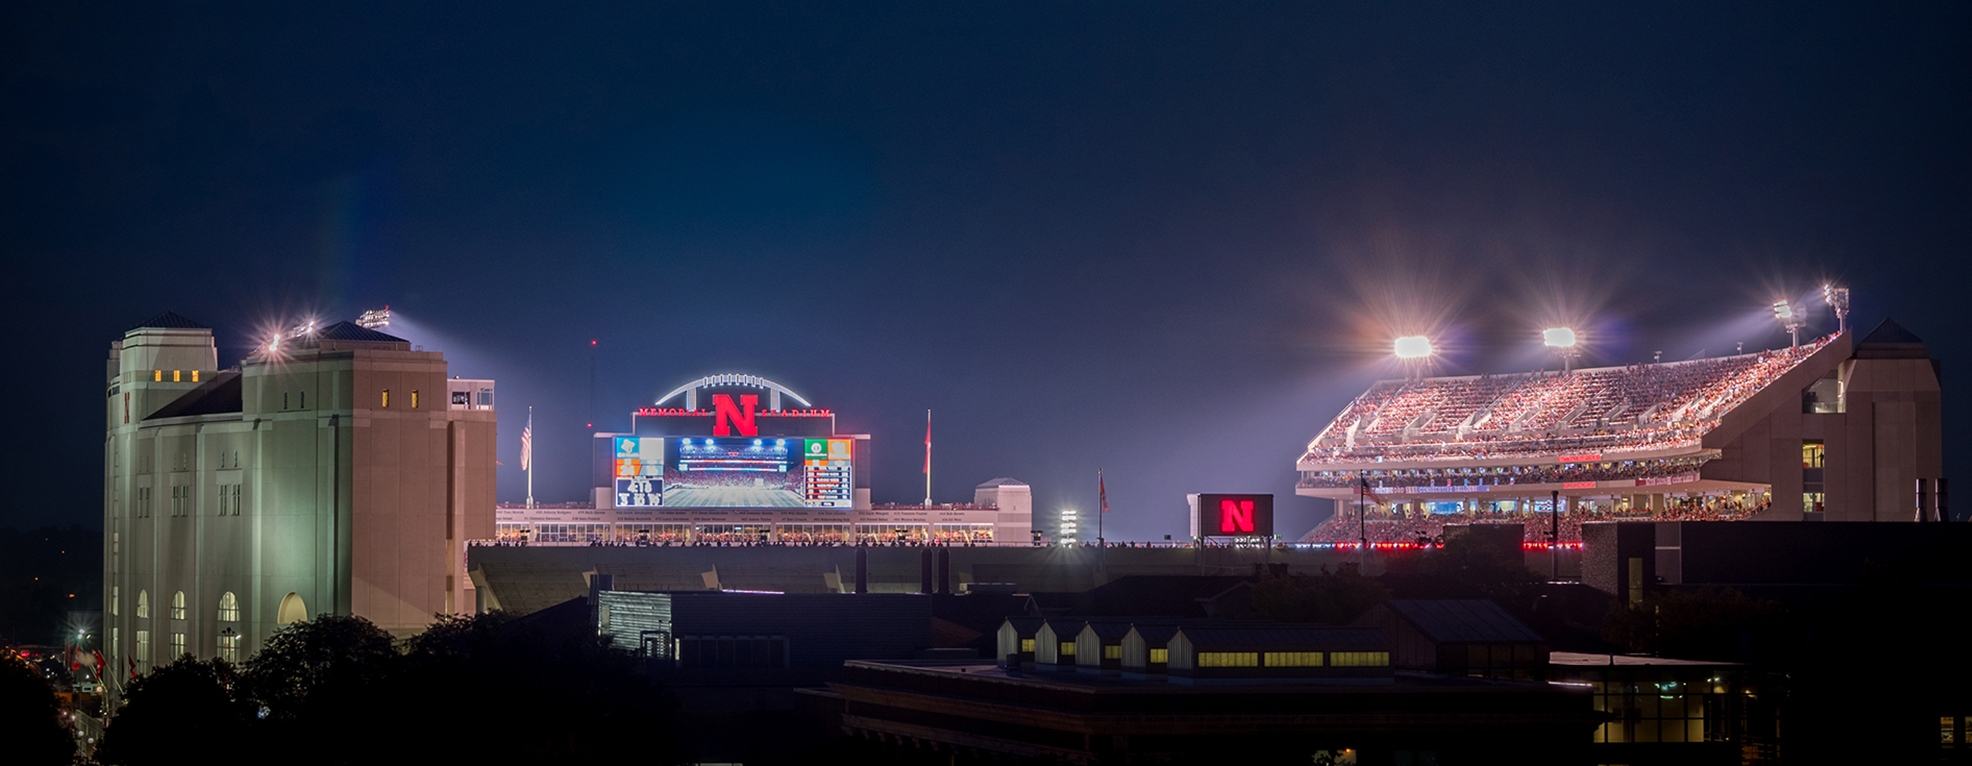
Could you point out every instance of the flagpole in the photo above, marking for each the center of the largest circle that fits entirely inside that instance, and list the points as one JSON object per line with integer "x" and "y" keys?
{"x": 1362, "y": 526}
{"x": 1102, "y": 505}
{"x": 529, "y": 446}
{"x": 927, "y": 458}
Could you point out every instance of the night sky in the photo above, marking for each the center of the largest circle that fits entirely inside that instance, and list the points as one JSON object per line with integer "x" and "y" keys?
{"x": 1165, "y": 241}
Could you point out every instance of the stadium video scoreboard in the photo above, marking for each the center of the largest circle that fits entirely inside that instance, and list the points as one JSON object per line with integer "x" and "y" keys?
{"x": 1223, "y": 515}
{"x": 733, "y": 472}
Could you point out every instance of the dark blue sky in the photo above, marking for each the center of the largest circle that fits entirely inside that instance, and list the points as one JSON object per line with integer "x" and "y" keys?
{"x": 1168, "y": 241}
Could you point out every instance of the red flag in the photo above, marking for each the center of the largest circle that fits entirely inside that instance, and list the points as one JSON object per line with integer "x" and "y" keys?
{"x": 1102, "y": 492}
{"x": 133, "y": 666}
{"x": 99, "y": 664}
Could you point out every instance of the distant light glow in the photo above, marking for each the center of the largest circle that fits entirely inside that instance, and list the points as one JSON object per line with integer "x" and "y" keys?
{"x": 1413, "y": 347}
{"x": 1558, "y": 337}
{"x": 1783, "y": 310}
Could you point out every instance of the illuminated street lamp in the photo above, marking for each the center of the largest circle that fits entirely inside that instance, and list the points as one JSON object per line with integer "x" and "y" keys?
{"x": 1562, "y": 340}
{"x": 1837, "y": 298}
{"x": 1790, "y": 319}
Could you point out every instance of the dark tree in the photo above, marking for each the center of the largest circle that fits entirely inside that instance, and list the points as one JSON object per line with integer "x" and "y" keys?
{"x": 187, "y": 706}
{"x": 31, "y": 730}
{"x": 1706, "y": 624}
{"x": 1332, "y": 599}
{"x": 328, "y": 655}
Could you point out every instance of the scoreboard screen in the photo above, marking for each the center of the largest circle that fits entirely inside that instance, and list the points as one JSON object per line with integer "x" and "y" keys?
{"x": 734, "y": 472}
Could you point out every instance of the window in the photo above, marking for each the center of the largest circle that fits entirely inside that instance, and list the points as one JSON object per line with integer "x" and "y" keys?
{"x": 157, "y": 376}
{"x": 178, "y": 605}
{"x": 177, "y": 645}
{"x": 1359, "y": 659}
{"x": 1112, "y": 652}
{"x": 143, "y": 650}
{"x": 177, "y": 376}
{"x": 386, "y": 397}
{"x": 284, "y": 400}
{"x": 414, "y": 398}
{"x": 195, "y": 376}
{"x": 1294, "y": 659}
{"x": 1067, "y": 648}
{"x": 304, "y": 400}
{"x": 236, "y": 498}
{"x": 116, "y": 596}
{"x": 229, "y": 647}
{"x": 1026, "y": 646}
{"x": 1160, "y": 656}
{"x": 461, "y": 399}
{"x": 1814, "y": 454}
{"x": 1228, "y": 659}
{"x": 229, "y": 607}
{"x": 144, "y": 604}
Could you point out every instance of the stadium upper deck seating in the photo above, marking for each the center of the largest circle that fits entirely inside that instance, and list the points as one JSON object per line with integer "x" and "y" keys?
{"x": 1639, "y": 407}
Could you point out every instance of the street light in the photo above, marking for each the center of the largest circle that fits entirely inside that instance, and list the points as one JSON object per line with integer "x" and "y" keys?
{"x": 1790, "y": 319}
{"x": 1562, "y": 340}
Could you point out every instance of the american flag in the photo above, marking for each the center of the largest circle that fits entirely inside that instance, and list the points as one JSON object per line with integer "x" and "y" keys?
{"x": 1102, "y": 492}
{"x": 527, "y": 444}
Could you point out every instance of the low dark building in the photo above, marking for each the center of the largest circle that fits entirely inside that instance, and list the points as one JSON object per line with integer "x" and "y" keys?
{"x": 764, "y": 630}
{"x": 1664, "y": 711}
{"x": 976, "y": 713}
{"x": 1278, "y": 653}
{"x": 1465, "y": 637}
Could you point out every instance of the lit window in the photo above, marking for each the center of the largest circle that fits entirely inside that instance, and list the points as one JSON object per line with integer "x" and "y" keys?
{"x": 1359, "y": 659}
{"x": 177, "y": 376}
{"x": 386, "y": 397}
{"x": 229, "y": 607}
{"x": 1027, "y": 646}
{"x": 1067, "y": 648}
{"x": 178, "y": 605}
{"x": 116, "y": 598}
{"x": 414, "y": 398}
{"x": 144, "y": 604}
{"x": 1228, "y": 659}
{"x": 143, "y": 650}
{"x": 1294, "y": 659}
{"x": 195, "y": 376}
{"x": 177, "y": 645}
{"x": 229, "y": 648}
{"x": 1112, "y": 652}
{"x": 1160, "y": 656}
{"x": 157, "y": 376}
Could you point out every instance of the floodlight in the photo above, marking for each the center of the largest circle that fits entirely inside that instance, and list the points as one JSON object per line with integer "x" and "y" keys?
{"x": 1790, "y": 319}
{"x": 1783, "y": 311}
{"x": 1558, "y": 337}
{"x": 374, "y": 318}
{"x": 1413, "y": 347}
{"x": 1837, "y": 298}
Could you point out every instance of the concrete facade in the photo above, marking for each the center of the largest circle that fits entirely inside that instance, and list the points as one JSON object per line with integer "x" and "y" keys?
{"x": 338, "y": 471}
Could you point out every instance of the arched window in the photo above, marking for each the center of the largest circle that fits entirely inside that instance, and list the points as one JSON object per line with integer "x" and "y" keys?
{"x": 178, "y": 605}
{"x": 144, "y": 604}
{"x": 229, "y": 607}
{"x": 292, "y": 610}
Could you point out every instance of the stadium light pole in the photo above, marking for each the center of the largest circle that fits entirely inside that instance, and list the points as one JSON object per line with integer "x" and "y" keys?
{"x": 1790, "y": 319}
{"x": 1412, "y": 350}
{"x": 1562, "y": 340}
{"x": 1837, "y": 298}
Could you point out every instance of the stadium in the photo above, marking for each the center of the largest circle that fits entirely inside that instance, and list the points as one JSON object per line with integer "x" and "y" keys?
{"x": 737, "y": 459}
{"x": 1829, "y": 429}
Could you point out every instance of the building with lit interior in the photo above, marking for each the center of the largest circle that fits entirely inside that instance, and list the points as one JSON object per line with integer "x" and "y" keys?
{"x": 334, "y": 470}
{"x": 740, "y": 459}
{"x": 1832, "y": 429}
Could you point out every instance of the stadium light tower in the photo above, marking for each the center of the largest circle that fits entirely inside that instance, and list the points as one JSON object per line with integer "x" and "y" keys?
{"x": 1412, "y": 350}
{"x": 1790, "y": 319}
{"x": 1562, "y": 340}
{"x": 1837, "y": 298}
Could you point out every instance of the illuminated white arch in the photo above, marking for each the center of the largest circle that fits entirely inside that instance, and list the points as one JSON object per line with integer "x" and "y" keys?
{"x": 690, "y": 390}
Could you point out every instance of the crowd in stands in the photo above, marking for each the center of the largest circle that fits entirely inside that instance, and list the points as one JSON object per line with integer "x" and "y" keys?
{"x": 1387, "y": 526}
{"x": 1638, "y": 407}
{"x": 1507, "y": 475}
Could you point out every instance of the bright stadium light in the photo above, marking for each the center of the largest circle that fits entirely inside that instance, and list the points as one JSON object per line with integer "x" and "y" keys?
{"x": 374, "y": 318}
{"x": 1413, "y": 347}
{"x": 1837, "y": 298}
{"x": 1562, "y": 340}
{"x": 1790, "y": 319}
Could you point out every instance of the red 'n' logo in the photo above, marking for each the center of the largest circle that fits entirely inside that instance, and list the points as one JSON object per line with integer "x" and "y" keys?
{"x": 727, "y": 418}
{"x": 1235, "y": 515}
